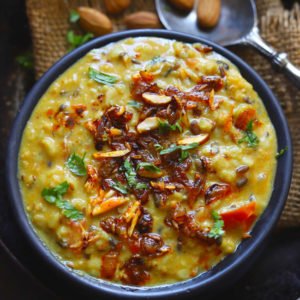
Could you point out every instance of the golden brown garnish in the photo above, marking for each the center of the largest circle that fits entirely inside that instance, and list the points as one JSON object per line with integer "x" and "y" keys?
{"x": 216, "y": 192}
{"x": 135, "y": 271}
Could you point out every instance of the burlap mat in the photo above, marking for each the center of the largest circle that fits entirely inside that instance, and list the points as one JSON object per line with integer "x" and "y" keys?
{"x": 49, "y": 24}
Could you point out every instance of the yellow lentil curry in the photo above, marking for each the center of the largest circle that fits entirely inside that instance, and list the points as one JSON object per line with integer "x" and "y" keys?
{"x": 147, "y": 162}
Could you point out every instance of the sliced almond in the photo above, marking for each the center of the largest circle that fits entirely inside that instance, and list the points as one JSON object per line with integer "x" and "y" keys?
{"x": 200, "y": 139}
{"x": 132, "y": 215}
{"x": 148, "y": 125}
{"x": 117, "y": 153}
{"x": 115, "y": 131}
{"x": 156, "y": 99}
{"x": 108, "y": 205}
{"x": 162, "y": 186}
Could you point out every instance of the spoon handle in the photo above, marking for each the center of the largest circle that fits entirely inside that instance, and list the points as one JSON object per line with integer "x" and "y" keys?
{"x": 278, "y": 59}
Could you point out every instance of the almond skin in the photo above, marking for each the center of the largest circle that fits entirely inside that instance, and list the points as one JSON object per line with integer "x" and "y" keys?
{"x": 116, "y": 6}
{"x": 142, "y": 19}
{"x": 94, "y": 21}
{"x": 208, "y": 13}
{"x": 186, "y": 5}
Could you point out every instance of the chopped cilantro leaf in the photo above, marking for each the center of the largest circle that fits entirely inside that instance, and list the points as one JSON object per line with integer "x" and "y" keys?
{"x": 54, "y": 196}
{"x": 25, "y": 60}
{"x": 281, "y": 152}
{"x": 173, "y": 148}
{"x": 149, "y": 167}
{"x": 135, "y": 104}
{"x": 101, "y": 77}
{"x": 76, "y": 40}
{"x": 165, "y": 126}
{"x": 250, "y": 137}
{"x": 131, "y": 176}
{"x": 141, "y": 186}
{"x": 74, "y": 16}
{"x": 76, "y": 164}
{"x": 118, "y": 186}
{"x": 217, "y": 230}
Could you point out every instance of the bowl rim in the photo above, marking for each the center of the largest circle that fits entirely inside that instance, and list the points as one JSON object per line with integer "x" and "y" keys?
{"x": 225, "y": 271}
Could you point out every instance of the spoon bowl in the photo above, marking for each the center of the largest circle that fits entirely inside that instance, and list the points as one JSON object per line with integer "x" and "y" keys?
{"x": 236, "y": 21}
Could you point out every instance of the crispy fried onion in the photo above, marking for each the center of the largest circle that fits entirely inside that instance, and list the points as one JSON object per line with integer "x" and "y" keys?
{"x": 186, "y": 225}
{"x": 81, "y": 236}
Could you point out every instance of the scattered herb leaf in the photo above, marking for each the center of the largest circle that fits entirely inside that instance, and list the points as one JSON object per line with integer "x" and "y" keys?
{"x": 165, "y": 126}
{"x": 76, "y": 40}
{"x": 131, "y": 176}
{"x": 173, "y": 148}
{"x": 135, "y": 104}
{"x": 76, "y": 164}
{"x": 250, "y": 137}
{"x": 149, "y": 167}
{"x": 54, "y": 196}
{"x": 141, "y": 186}
{"x": 281, "y": 152}
{"x": 74, "y": 16}
{"x": 101, "y": 77}
{"x": 118, "y": 186}
{"x": 69, "y": 210}
{"x": 217, "y": 230}
{"x": 25, "y": 60}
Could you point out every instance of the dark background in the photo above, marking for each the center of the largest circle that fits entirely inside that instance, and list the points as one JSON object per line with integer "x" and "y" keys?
{"x": 274, "y": 276}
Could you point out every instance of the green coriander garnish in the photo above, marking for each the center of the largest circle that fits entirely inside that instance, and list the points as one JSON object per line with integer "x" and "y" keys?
{"x": 281, "y": 152}
{"x": 183, "y": 148}
{"x": 76, "y": 164}
{"x": 76, "y": 40}
{"x": 135, "y": 104}
{"x": 54, "y": 196}
{"x": 25, "y": 60}
{"x": 250, "y": 137}
{"x": 131, "y": 176}
{"x": 148, "y": 166}
{"x": 141, "y": 186}
{"x": 101, "y": 77}
{"x": 74, "y": 16}
{"x": 118, "y": 186}
{"x": 217, "y": 230}
{"x": 165, "y": 126}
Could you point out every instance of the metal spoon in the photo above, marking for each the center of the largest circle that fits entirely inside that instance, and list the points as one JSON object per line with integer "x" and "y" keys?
{"x": 237, "y": 25}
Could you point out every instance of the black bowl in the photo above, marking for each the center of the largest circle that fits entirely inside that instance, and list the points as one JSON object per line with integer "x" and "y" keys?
{"x": 61, "y": 279}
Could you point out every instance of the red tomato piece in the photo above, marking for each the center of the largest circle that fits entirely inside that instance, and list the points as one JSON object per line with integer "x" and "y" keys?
{"x": 241, "y": 215}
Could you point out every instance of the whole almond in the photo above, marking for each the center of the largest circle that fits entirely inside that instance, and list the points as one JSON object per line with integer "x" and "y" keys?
{"x": 185, "y": 5}
{"x": 142, "y": 19}
{"x": 208, "y": 12}
{"x": 94, "y": 21}
{"x": 116, "y": 6}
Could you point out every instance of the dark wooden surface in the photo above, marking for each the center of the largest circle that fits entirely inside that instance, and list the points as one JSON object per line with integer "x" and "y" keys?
{"x": 276, "y": 274}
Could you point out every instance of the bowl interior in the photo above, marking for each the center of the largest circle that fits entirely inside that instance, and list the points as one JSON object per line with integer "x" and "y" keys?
{"x": 224, "y": 272}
